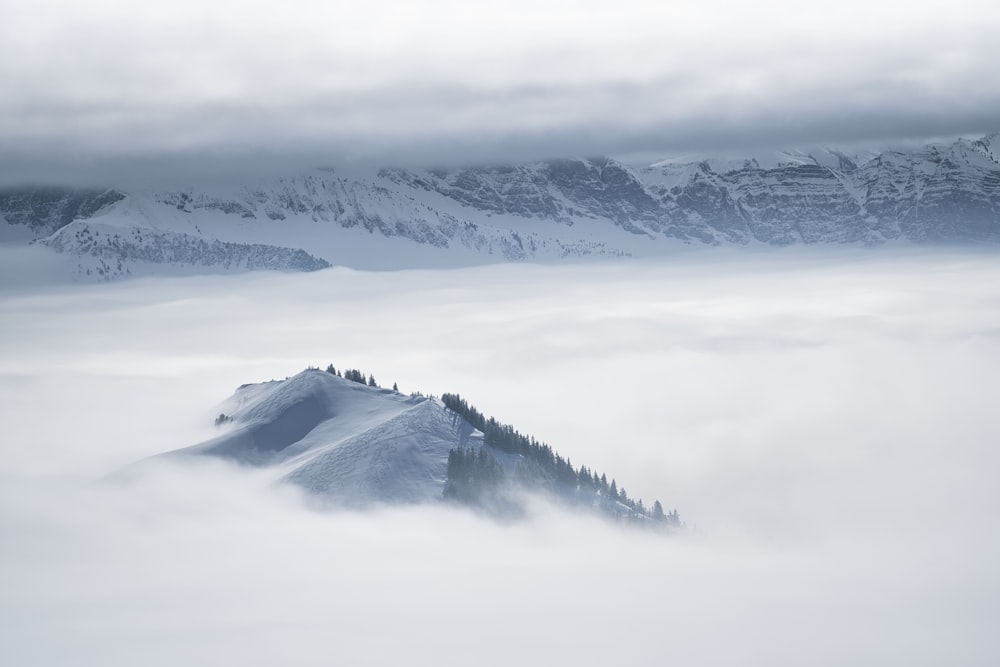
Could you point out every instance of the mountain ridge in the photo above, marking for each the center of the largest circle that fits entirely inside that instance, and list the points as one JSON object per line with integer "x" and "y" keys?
{"x": 545, "y": 210}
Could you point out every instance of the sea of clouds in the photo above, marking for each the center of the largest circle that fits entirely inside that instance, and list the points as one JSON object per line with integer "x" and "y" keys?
{"x": 825, "y": 422}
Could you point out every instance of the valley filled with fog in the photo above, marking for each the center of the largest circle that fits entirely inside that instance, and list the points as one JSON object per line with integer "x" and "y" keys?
{"x": 824, "y": 421}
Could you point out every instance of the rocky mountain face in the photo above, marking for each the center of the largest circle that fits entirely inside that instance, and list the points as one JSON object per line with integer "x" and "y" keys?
{"x": 543, "y": 210}
{"x": 46, "y": 210}
{"x": 936, "y": 194}
{"x": 108, "y": 252}
{"x": 939, "y": 193}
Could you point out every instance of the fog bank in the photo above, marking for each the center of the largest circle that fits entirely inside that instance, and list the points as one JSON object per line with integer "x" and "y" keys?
{"x": 824, "y": 420}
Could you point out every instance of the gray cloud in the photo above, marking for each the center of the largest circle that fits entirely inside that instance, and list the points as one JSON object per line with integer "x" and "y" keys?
{"x": 105, "y": 92}
{"x": 843, "y": 488}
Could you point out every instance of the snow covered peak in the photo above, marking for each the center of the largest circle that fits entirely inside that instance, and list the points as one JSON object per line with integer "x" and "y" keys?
{"x": 989, "y": 146}
{"x": 348, "y": 442}
{"x": 272, "y": 421}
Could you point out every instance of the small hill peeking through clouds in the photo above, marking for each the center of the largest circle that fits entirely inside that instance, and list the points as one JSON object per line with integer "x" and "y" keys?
{"x": 349, "y": 442}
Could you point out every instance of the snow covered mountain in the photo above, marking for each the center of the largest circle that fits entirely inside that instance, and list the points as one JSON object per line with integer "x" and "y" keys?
{"x": 350, "y": 443}
{"x": 392, "y": 218}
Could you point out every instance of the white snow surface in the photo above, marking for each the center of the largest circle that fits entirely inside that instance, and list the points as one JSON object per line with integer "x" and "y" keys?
{"x": 348, "y": 443}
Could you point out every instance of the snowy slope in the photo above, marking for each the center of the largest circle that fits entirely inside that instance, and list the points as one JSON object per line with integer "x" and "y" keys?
{"x": 347, "y": 442}
{"x": 402, "y": 459}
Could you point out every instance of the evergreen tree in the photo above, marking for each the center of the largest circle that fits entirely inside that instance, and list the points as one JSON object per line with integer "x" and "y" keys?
{"x": 472, "y": 477}
{"x": 472, "y": 474}
{"x": 354, "y": 375}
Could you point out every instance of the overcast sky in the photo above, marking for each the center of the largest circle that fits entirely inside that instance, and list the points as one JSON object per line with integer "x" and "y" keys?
{"x": 92, "y": 86}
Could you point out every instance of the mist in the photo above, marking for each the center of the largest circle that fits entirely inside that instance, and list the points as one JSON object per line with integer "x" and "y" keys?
{"x": 823, "y": 420}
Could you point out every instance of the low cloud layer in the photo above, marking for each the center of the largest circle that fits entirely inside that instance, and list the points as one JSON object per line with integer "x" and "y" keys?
{"x": 97, "y": 91}
{"x": 824, "y": 420}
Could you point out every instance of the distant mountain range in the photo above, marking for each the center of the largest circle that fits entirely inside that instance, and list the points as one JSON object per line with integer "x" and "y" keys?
{"x": 402, "y": 218}
{"x": 351, "y": 443}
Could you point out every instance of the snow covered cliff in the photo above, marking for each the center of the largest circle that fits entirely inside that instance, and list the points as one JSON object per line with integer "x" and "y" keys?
{"x": 394, "y": 217}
